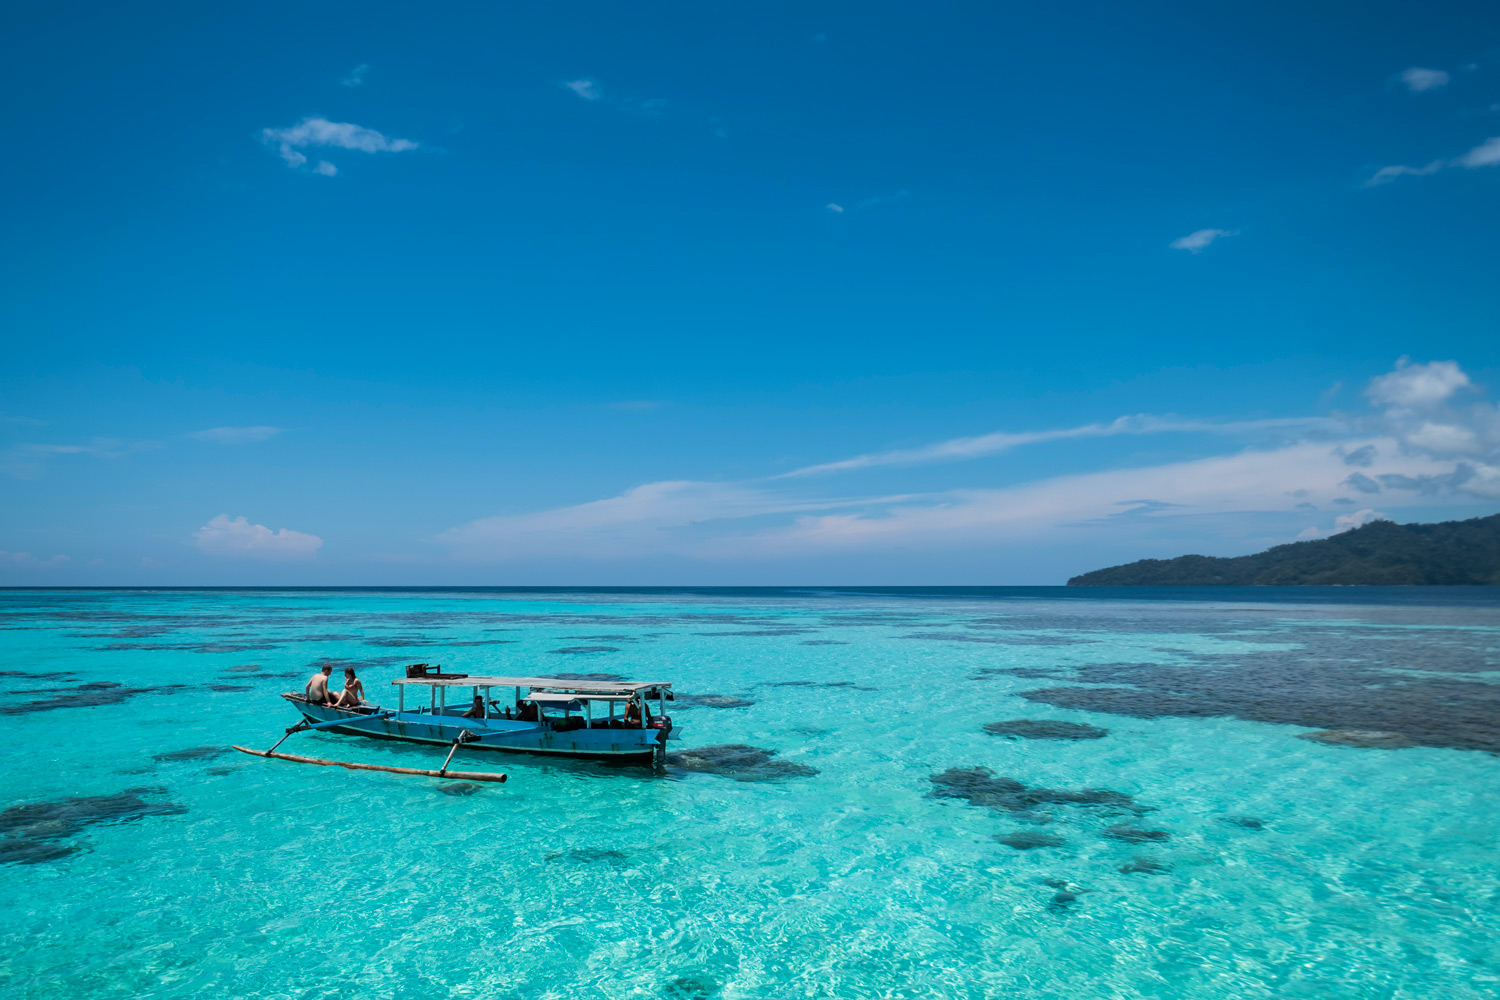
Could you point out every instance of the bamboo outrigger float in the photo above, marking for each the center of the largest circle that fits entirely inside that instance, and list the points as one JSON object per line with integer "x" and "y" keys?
{"x": 453, "y": 775}
{"x": 603, "y": 720}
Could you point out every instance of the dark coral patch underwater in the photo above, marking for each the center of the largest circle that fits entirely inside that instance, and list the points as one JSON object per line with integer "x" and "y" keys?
{"x": 1027, "y": 840}
{"x": 740, "y": 762}
{"x": 1394, "y": 693}
{"x": 88, "y": 695}
{"x": 31, "y": 831}
{"x": 1045, "y": 729}
{"x": 979, "y": 786}
{"x": 713, "y": 701}
{"x": 192, "y": 753}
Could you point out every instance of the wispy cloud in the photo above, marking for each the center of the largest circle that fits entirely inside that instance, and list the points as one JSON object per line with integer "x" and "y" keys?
{"x": 1415, "y": 447}
{"x": 591, "y": 90}
{"x": 649, "y": 107}
{"x": 1343, "y": 523}
{"x": 964, "y": 448}
{"x": 670, "y": 513}
{"x": 1387, "y": 174}
{"x": 1418, "y": 79}
{"x": 868, "y": 203}
{"x": 356, "y": 77}
{"x": 235, "y": 435}
{"x": 226, "y": 536}
{"x": 320, "y": 133}
{"x": 1201, "y": 240}
{"x": 25, "y": 560}
{"x": 1486, "y": 154}
{"x": 586, "y": 88}
{"x": 99, "y": 447}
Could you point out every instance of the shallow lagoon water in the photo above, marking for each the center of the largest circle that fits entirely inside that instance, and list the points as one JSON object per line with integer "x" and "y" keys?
{"x": 142, "y": 860}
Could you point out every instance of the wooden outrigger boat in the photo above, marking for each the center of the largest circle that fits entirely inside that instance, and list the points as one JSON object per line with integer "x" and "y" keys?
{"x": 605, "y": 720}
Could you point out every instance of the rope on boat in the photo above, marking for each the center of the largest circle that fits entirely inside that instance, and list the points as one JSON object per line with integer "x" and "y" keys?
{"x": 454, "y": 775}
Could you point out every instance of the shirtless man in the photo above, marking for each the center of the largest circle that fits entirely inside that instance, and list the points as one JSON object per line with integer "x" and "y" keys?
{"x": 354, "y": 691}
{"x": 317, "y": 686}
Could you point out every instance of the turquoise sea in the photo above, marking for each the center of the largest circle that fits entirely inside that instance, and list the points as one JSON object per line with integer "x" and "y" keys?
{"x": 1179, "y": 839}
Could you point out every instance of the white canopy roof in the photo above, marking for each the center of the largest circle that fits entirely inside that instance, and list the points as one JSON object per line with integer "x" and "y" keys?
{"x": 583, "y": 689}
{"x": 559, "y": 697}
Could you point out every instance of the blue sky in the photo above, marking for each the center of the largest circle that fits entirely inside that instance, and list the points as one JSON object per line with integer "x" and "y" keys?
{"x": 600, "y": 294}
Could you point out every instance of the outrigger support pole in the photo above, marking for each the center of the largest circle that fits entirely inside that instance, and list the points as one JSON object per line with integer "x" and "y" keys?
{"x": 463, "y": 737}
{"x": 304, "y": 725}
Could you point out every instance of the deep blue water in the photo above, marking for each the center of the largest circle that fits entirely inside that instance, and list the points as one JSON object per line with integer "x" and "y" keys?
{"x": 1199, "y": 847}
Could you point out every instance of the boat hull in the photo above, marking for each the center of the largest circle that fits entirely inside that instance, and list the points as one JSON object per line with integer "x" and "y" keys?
{"x": 501, "y": 735}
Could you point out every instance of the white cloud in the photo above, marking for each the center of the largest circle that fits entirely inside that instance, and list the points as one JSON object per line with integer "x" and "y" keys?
{"x": 1486, "y": 154}
{"x": 586, "y": 88}
{"x": 356, "y": 77}
{"x": 25, "y": 560}
{"x": 1418, "y": 386}
{"x": 1442, "y": 439}
{"x": 1343, "y": 523}
{"x": 225, "y": 536}
{"x": 314, "y": 133}
{"x": 1421, "y": 415}
{"x": 1201, "y": 240}
{"x": 834, "y": 207}
{"x": 235, "y": 435}
{"x": 1418, "y": 79}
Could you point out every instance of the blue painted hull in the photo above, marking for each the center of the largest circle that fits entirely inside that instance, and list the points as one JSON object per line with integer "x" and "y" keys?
{"x": 505, "y": 735}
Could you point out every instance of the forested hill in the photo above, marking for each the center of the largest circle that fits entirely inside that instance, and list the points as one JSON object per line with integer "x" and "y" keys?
{"x": 1380, "y": 553}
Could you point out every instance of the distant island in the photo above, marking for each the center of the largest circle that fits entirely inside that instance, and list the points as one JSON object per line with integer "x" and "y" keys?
{"x": 1382, "y": 553}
